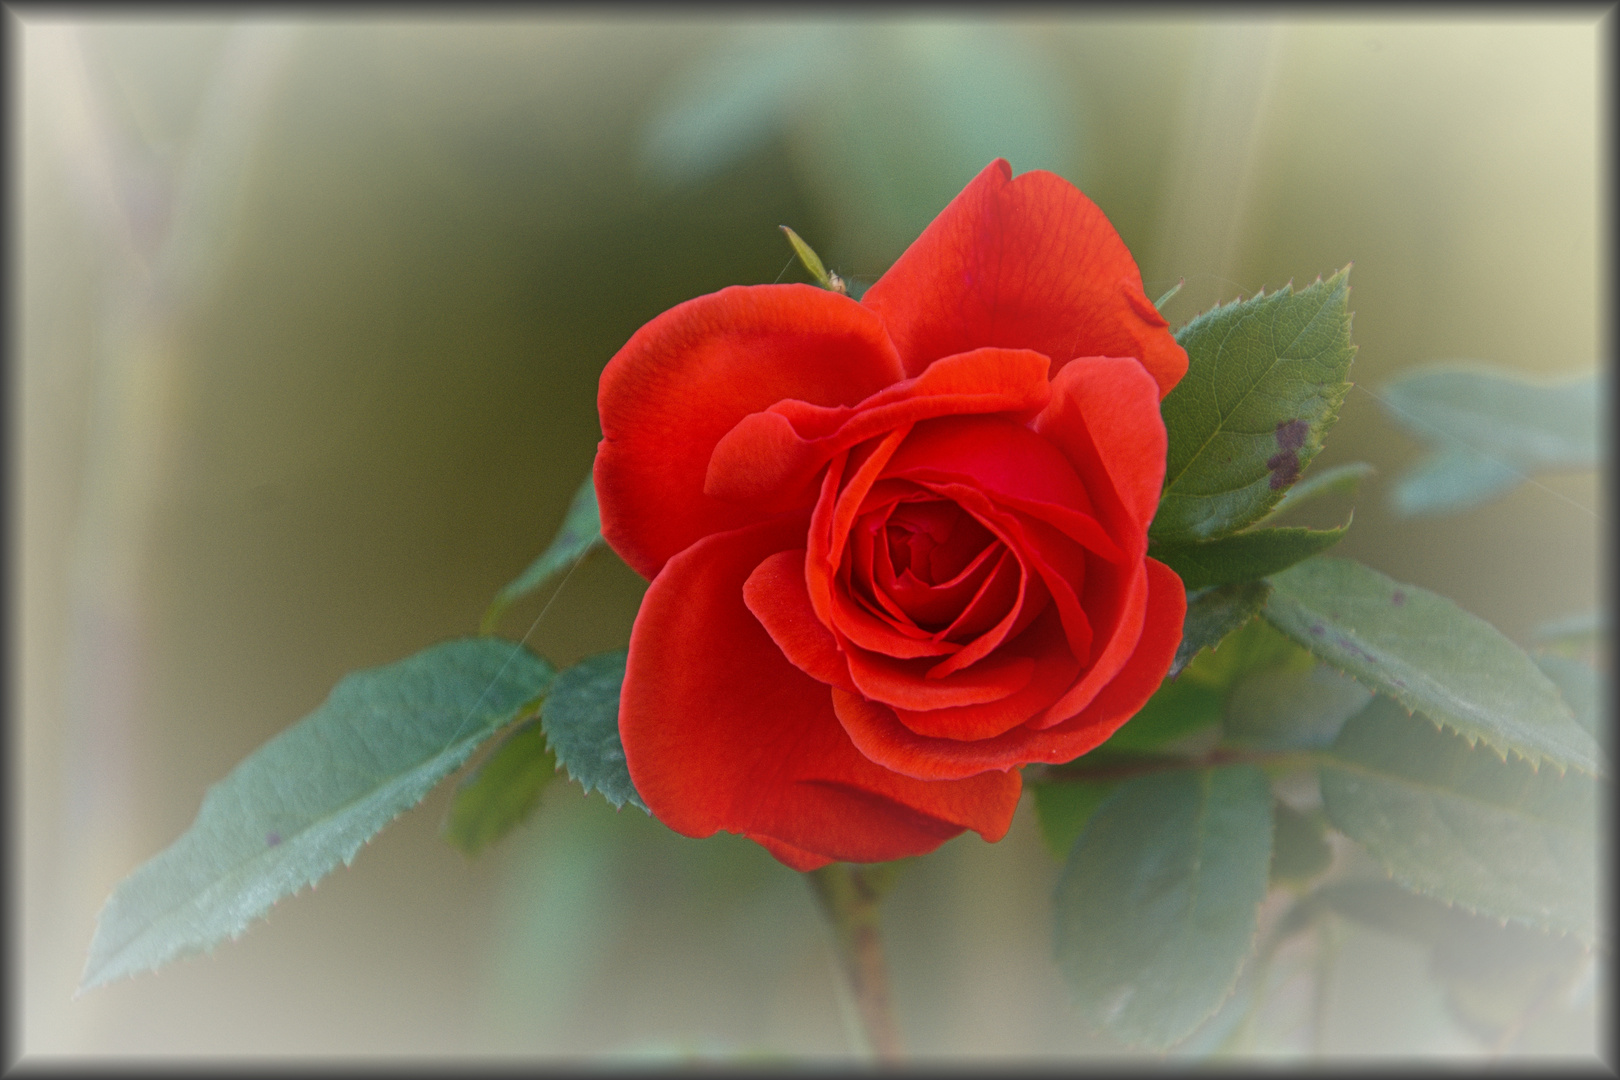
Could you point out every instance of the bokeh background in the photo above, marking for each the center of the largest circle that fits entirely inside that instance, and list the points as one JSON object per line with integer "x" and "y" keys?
{"x": 309, "y": 322}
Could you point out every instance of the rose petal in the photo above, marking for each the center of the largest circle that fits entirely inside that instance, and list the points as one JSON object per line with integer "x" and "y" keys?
{"x": 872, "y": 642}
{"x": 1029, "y": 263}
{"x": 776, "y": 594}
{"x": 1002, "y": 457}
{"x": 865, "y": 557}
{"x": 1060, "y": 564}
{"x": 881, "y": 736}
{"x": 771, "y": 456}
{"x": 829, "y": 590}
{"x": 878, "y": 732}
{"x": 923, "y": 604}
{"x": 1104, "y": 417}
{"x": 1002, "y": 591}
{"x": 1141, "y": 674}
{"x": 687, "y": 377}
{"x": 835, "y": 511}
{"x": 1113, "y": 645}
{"x": 860, "y": 628}
{"x": 937, "y": 538}
{"x": 721, "y": 732}
{"x": 911, "y": 684}
{"x": 1014, "y": 466}
{"x": 796, "y": 858}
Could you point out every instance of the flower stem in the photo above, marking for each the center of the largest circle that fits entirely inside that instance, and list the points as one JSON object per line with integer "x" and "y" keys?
{"x": 849, "y": 895}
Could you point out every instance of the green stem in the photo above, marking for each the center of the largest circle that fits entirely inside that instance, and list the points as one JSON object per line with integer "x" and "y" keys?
{"x": 849, "y": 895}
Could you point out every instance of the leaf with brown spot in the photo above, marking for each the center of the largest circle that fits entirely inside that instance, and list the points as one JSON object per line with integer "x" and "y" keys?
{"x": 1265, "y": 378}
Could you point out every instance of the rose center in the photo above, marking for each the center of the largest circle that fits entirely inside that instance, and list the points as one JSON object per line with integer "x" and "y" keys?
{"x": 928, "y": 567}
{"x": 933, "y": 541}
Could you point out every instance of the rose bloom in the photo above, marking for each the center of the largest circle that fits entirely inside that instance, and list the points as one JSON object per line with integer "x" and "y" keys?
{"x": 898, "y": 547}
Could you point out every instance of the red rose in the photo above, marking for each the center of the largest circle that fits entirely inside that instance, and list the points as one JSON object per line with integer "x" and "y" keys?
{"x": 897, "y": 547}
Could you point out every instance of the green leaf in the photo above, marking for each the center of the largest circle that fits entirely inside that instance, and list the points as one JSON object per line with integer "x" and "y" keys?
{"x": 1244, "y": 556}
{"x": 581, "y": 718}
{"x": 812, "y": 262}
{"x": 1169, "y": 295}
{"x": 1290, "y": 708}
{"x": 1492, "y": 973}
{"x": 581, "y": 531}
{"x": 1430, "y": 655}
{"x": 1254, "y": 646}
{"x": 1063, "y": 810}
{"x": 1157, "y": 908}
{"x": 1387, "y": 906}
{"x": 1299, "y": 848}
{"x": 1339, "y": 480}
{"x": 503, "y": 791}
{"x": 1451, "y": 480}
{"x": 1581, "y": 687}
{"x": 1489, "y": 430}
{"x": 1459, "y": 823}
{"x": 1265, "y": 378}
{"x": 1587, "y": 628}
{"x": 306, "y": 800}
{"x": 1175, "y": 710}
{"x": 1212, "y": 615}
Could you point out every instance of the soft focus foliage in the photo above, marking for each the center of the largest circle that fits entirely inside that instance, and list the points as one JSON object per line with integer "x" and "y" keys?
{"x": 1459, "y": 823}
{"x": 1427, "y": 653}
{"x": 1490, "y": 430}
{"x": 1158, "y": 904}
{"x": 905, "y": 112}
{"x": 305, "y": 802}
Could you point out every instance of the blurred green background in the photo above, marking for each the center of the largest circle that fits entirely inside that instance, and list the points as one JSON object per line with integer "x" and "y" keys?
{"x": 310, "y": 322}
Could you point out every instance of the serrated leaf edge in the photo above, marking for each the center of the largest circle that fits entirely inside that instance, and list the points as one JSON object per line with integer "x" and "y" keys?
{"x": 529, "y": 711}
{"x": 1175, "y": 672}
{"x": 457, "y": 756}
{"x": 1333, "y": 394}
{"x": 1255, "y": 528}
{"x": 1535, "y": 762}
{"x": 242, "y": 925}
{"x": 618, "y": 804}
{"x": 1230, "y": 988}
{"x": 1412, "y": 886}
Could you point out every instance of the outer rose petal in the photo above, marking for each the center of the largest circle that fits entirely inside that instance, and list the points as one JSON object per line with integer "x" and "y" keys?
{"x": 1104, "y": 417}
{"x": 1029, "y": 263}
{"x": 798, "y": 858}
{"x": 1142, "y": 674}
{"x": 775, "y": 592}
{"x": 780, "y": 450}
{"x": 686, "y": 378}
{"x": 720, "y": 731}
{"x": 881, "y": 736}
